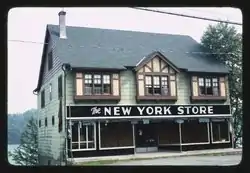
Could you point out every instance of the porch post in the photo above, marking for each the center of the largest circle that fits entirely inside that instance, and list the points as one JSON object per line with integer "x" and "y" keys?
{"x": 180, "y": 136}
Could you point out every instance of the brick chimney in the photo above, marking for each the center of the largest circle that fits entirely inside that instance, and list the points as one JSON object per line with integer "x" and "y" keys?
{"x": 62, "y": 24}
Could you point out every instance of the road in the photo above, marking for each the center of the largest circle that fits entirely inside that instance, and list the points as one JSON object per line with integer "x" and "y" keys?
{"x": 189, "y": 160}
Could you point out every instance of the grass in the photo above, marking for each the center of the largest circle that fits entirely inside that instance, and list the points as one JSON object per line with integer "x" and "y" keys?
{"x": 107, "y": 162}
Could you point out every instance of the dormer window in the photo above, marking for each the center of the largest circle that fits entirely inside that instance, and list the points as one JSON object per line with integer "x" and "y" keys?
{"x": 156, "y": 85}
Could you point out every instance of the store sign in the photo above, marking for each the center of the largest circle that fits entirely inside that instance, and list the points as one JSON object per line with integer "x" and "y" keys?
{"x": 141, "y": 110}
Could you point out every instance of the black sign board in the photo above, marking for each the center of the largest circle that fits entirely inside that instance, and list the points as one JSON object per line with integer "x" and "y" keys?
{"x": 146, "y": 110}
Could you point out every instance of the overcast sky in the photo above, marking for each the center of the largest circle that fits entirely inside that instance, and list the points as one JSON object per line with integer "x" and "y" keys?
{"x": 28, "y": 24}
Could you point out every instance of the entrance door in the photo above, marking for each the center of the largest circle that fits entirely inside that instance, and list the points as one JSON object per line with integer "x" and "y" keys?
{"x": 145, "y": 138}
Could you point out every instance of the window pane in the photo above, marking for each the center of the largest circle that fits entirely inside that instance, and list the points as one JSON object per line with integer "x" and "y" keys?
{"x": 82, "y": 132}
{"x": 91, "y": 145}
{"x": 215, "y": 91}
{"x": 106, "y": 89}
{"x": 208, "y": 82}
{"x": 90, "y": 133}
{"x": 88, "y": 81}
{"x": 83, "y": 145}
{"x": 88, "y": 76}
{"x": 201, "y": 82}
{"x": 202, "y": 90}
{"x": 97, "y": 81}
{"x": 106, "y": 79}
{"x": 97, "y": 89}
{"x": 215, "y": 82}
{"x": 75, "y": 146}
{"x": 148, "y": 80}
{"x": 75, "y": 132}
{"x": 87, "y": 89}
{"x": 157, "y": 90}
{"x": 156, "y": 80}
{"x": 149, "y": 90}
{"x": 209, "y": 90}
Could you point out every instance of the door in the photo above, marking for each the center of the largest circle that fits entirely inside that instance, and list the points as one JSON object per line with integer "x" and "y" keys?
{"x": 145, "y": 137}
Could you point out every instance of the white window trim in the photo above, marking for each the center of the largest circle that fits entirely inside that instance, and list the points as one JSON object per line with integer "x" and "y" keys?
{"x": 79, "y": 141}
{"x": 112, "y": 148}
{"x": 219, "y": 142}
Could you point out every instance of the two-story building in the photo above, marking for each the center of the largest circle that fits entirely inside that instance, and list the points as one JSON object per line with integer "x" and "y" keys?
{"x": 108, "y": 92}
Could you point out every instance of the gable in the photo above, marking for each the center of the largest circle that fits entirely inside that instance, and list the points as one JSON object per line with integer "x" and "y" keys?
{"x": 156, "y": 63}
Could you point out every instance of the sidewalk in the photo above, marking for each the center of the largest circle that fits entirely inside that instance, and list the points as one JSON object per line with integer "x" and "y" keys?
{"x": 165, "y": 154}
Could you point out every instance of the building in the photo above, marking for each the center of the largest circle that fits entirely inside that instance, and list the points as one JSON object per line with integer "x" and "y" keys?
{"x": 111, "y": 92}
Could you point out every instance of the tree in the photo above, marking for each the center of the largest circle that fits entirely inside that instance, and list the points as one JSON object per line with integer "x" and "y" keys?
{"x": 27, "y": 151}
{"x": 225, "y": 44}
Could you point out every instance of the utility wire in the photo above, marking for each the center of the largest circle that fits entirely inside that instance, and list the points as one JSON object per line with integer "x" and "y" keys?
{"x": 188, "y": 16}
{"x": 214, "y": 53}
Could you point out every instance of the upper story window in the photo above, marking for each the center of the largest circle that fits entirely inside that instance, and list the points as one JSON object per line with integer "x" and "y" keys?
{"x": 59, "y": 87}
{"x": 208, "y": 86}
{"x": 157, "y": 85}
{"x": 53, "y": 120}
{"x": 50, "y": 91}
{"x": 46, "y": 122}
{"x": 50, "y": 61}
{"x": 42, "y": 99}
{"x": 40, "y": 123}
{"x": 97, "y": 84}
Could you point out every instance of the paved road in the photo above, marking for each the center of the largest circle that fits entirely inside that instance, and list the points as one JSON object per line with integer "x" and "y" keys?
{"x": 190, "y": 160}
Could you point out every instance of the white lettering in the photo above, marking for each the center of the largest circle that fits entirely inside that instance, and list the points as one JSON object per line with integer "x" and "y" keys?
{"x": 188, "y": 108}
{"x": 195, "y": 110}
{"x": 116, "y": 111}
{"x": 126, "y": 110}
{"x": 167, "y": 111}
{"x": 210, "y": 109}
{"x": 202, "y": 110}
{"x": 107, "y": 111}
{"x": 180, "y": 110}
{"x": 150, "y": 110}
{"x": 140, "y": 110}
{"x": 158, "y": 110}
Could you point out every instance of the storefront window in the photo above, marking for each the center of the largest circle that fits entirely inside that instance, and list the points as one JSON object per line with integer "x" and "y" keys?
{"x": 220, "y": 131}
{"x": 83, "y": 136}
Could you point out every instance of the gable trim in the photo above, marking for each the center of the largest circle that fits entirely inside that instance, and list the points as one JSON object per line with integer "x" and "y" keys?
{"x": 151, "y": 56}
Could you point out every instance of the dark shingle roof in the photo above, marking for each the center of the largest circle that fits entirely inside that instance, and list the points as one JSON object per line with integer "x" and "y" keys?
{"x": 106, "y": 48}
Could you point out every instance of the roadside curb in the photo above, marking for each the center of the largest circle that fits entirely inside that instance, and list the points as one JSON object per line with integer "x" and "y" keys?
{"x": 104, "y": 161}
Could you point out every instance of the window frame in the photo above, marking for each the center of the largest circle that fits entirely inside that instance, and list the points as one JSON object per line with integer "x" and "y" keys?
{"x": 42, "y": 98}
{"x": 160, "y": 85}
{"x": 60, "y": 87}
{"x": 79, "y": 141}
{"x": 50, "y": 60}
{"x": 92, "y": 84}
{"x": 204, "y": 78}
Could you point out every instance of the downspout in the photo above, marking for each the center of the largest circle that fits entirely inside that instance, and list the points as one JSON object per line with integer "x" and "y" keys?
{"x": 66, "y": 69}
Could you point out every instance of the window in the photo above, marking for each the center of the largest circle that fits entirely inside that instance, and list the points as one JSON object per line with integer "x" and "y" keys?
{"x": 50, "y": 91}
{"x": 208, "y": 86}
{"x": 40, "y": 123}
{"x": 220, "y": 131}
{"x": 53, "y": 120}
{"x": 83, "y": 136}
{"x": 46, "y": 122}
{"x": 50, "y": 61}
{"x": 42, "y": 99}
{"x": 97, "y": 84}
{"x": 59, "y": 87}
{"x": 157, "y": 85}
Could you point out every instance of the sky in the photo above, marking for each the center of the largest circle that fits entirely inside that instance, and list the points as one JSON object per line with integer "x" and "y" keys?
{"x": 29, "y": 24}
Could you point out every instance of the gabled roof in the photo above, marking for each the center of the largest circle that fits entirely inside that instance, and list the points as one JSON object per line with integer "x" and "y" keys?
{"x": 106, "y": 48}
{"x": 152, "y": 55}
{"x": 117, "y": 49}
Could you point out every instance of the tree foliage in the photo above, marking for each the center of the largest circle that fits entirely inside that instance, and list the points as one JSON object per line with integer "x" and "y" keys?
{"x": 225, "y": 44}
{"x": 27, "y": 152}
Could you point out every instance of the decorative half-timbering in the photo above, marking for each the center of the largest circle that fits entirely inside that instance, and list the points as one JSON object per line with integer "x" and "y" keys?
{"x": 208, "y": 87}
{"x": 156, "y": 79}
{"x": 100, "y": 86}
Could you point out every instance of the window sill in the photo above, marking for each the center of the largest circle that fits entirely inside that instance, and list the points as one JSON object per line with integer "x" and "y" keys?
{"x": 207, "y": 98}
{"x": 97, "y": 97}
{"x": 173, "y": 98}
